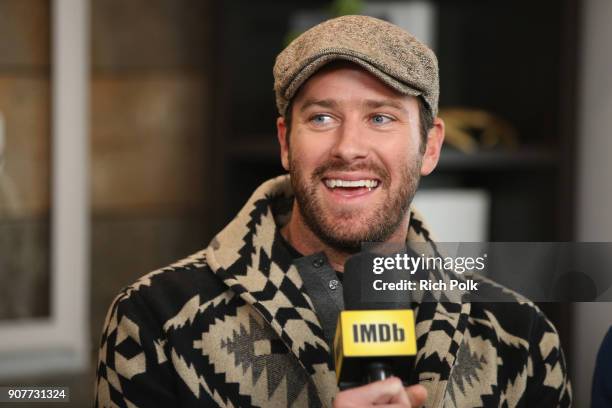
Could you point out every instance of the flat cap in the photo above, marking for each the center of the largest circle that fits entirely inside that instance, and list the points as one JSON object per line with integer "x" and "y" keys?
{"x": 392, "y": 54}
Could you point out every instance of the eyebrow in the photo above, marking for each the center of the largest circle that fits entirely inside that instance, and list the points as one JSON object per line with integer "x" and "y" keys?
{"x": 381, "y": 103}
{"x": 325, "y": 103}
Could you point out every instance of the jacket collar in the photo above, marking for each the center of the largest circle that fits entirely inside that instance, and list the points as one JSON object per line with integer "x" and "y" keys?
{"x": 250, "y": 259}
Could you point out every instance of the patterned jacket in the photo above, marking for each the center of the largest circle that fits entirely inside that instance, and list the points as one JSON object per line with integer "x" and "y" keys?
{"x": 233, "y": 326}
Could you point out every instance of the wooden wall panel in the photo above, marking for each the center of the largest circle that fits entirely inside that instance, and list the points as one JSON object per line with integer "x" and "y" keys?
{"x": 145, "y": 34}
{"x": 25, "y": 176}
{"x": 24, "y": 268}
{"x": 24, "y": 34}
{"x": 149, "y": 143}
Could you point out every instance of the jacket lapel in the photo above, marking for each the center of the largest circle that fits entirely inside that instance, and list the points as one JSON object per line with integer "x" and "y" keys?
{"x": 250, "y": 260}
{"x": 256, "y": 266}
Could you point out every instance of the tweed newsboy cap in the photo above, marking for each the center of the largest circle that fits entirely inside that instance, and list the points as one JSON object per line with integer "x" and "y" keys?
{"x": 387, "y": 51}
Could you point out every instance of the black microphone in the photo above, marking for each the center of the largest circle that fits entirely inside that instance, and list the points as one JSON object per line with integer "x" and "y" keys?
{"x": 374, "y": 339}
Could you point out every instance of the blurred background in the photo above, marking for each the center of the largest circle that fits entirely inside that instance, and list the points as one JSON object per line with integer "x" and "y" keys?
{"x": 179, "y": 128}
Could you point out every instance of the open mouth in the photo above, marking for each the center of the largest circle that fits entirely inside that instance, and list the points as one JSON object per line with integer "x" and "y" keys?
{"x": 351, "y": 188}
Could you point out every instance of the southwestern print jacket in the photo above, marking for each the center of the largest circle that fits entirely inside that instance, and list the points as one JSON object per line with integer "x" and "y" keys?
{"x": 233, "y": 326}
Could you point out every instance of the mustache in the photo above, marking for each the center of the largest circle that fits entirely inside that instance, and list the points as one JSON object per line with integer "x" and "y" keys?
{"x": 341, "y": 165}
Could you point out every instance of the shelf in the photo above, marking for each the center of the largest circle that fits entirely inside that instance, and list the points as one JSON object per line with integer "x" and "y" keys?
{"x": 265, "y": 148}
{"x": 527, "y": 157}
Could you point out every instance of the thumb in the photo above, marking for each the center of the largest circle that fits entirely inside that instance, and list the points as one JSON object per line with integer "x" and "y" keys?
{"x": 417, "y": 395}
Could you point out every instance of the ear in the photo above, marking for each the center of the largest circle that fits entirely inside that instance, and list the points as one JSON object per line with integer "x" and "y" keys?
{"x": 435, "y": 138}
{"x": 281, "y": 134}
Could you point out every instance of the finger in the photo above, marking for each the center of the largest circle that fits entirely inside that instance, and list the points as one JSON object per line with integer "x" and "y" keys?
{"x": 383, "y": 392}
{"x": 417, "y": 395}
{"x": 395, "y": 406}
{"x": 400, "y": 397}
{"x": 413, "y": 397}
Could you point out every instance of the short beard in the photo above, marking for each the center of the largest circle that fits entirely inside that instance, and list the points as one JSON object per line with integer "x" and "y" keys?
{"x": 377, "y": 228}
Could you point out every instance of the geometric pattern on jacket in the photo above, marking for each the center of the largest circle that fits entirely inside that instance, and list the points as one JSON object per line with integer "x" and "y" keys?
{"x": 233, "y": 326}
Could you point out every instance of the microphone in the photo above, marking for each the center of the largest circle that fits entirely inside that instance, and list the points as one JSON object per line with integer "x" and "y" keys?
{"x": 374, "y": 340}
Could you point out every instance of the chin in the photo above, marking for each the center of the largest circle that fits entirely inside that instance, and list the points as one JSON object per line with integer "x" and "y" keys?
{"x": 350, "y": 236}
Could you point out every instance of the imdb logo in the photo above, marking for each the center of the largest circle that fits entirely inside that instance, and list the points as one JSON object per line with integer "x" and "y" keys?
{"x": 378, "y": 333}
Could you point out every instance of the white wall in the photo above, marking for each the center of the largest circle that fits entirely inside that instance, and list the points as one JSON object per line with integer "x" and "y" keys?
{"x": 594, "y": 194}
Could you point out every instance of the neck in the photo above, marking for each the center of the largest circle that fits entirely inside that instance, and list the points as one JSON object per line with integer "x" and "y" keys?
{"x": 306, "y": 242}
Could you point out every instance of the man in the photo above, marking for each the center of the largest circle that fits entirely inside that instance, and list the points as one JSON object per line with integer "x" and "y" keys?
{"x": 249, "y": 320}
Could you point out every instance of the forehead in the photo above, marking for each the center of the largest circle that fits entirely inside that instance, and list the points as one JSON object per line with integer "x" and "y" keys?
{"x": 347, "y": 82}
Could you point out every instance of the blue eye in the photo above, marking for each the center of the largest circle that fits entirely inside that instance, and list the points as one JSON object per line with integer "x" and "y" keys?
{"x": 320, "y": 119}
{"x": 381, "y": 119}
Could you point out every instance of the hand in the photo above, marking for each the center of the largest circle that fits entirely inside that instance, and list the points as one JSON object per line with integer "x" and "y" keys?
{"x": 387, "y": 393}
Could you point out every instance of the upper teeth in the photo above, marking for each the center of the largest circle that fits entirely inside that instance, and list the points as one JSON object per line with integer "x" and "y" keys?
{"x": 332, "y": 183}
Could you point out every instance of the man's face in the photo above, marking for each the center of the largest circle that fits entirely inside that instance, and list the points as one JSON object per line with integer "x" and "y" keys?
{"x": 353, "y": 156}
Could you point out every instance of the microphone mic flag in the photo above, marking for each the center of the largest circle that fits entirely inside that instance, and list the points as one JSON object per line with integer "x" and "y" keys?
{"x": 374, "y": 339}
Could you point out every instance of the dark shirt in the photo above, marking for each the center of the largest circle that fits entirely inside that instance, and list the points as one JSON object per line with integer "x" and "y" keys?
{"x": 323, "y": 285}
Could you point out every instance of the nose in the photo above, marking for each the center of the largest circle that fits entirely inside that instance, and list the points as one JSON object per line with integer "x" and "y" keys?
{"x": 350, "y": 143}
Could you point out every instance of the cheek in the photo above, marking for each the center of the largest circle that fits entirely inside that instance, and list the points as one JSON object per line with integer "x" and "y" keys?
{"x": 399, "y": 158}
{"x": 396, "y": 153}
{"x": 310, "y": 150}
